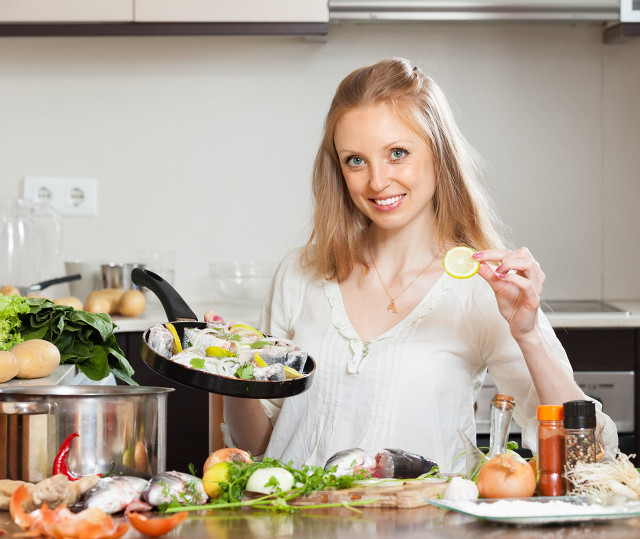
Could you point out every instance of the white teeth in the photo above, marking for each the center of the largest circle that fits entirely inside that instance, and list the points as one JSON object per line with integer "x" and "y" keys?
{"x": 387, "y": 201}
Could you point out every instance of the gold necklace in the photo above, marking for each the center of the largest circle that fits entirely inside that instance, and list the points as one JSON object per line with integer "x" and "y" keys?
{"x": 392, "y": 304}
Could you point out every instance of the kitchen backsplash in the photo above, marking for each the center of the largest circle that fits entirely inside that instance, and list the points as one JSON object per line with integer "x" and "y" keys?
{"x": 204, "y": 145}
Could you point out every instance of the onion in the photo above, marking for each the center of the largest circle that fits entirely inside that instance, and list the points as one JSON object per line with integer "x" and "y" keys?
{"x": 506, "y": 476}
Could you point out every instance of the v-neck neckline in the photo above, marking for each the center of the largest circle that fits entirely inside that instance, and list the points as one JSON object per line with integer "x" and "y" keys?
{"x": 343, "y": 324}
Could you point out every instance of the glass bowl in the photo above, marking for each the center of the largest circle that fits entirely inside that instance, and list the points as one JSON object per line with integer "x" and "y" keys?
{"x": 241, "y": 282}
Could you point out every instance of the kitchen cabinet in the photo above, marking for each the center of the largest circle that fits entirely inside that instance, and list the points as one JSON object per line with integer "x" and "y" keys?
{"x": 51, "y": 11}
{"x": 163, "y": 17}
{"x": 236, "y": 11}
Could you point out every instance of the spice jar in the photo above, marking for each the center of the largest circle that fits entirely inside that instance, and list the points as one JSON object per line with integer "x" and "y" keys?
{"x": 579, "y": 432}
{"x": 551, "y": 451}
{"x": 501, "y": 411}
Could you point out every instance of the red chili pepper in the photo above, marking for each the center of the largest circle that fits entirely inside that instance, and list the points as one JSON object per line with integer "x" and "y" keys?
{"x": 60, "y": 462}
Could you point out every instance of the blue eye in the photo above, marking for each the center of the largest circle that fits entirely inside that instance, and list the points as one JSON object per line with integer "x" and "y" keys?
{"x": 354, "y": 161}
{"x": 398, "y": 153}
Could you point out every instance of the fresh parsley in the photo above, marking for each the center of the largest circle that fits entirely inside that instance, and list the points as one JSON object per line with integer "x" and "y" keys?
{"x": 245, "y": 371}
{"x": 306, "y": 480}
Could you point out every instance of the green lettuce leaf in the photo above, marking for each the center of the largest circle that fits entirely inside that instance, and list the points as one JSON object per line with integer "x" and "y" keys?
{"x": 83, "y": 338}
{"x": 10, "y": 309}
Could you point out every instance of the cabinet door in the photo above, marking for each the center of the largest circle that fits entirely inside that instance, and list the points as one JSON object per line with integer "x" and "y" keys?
{"x": 66, "y": 10}
{"x": 236, "y": 11}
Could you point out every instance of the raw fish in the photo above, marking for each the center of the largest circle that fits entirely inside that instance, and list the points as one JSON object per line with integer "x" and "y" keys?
{"x": 166, "y": 486}
{"x": 272, "y": 373}
{"x": 113, "y": 494}
{"x": 399, "y": 464}
{"x": 160, "y": 340}
{"x": 388, "y": 463}
{"x": 350, "y": 460}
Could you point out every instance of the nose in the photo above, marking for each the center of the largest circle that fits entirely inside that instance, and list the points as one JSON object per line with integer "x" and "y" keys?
{"x": 378, "y": 177}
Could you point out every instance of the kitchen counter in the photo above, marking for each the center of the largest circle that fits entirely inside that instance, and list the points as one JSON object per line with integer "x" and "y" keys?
{"x": 372, "y": 523}
{"x": 62, "y": 375}
{"x": 250, "y": 314}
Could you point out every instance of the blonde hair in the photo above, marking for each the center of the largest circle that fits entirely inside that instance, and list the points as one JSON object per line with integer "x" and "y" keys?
{"x": 463, "y": 213}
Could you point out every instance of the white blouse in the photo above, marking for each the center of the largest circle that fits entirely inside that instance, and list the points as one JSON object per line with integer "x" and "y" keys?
{"x": 410, "y": 388}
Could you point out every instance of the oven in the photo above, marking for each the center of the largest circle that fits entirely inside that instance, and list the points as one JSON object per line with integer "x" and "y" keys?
{"x": 614, "y": 389}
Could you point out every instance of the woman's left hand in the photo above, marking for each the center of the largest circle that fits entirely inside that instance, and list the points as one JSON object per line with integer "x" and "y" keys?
{"x": 517, "y": 292}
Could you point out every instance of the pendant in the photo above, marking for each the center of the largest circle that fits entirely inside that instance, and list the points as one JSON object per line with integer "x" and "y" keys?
{"x": 392, "y": 307}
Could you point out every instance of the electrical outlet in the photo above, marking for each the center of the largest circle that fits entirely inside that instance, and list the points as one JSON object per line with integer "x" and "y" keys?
{"x": 70, "y": 196}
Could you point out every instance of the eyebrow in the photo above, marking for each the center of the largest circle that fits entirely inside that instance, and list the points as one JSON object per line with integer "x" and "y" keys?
{"x": 387, "y": 146}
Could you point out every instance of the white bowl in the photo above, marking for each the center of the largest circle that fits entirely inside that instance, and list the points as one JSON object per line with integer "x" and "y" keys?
{"x": 241, "y": 282}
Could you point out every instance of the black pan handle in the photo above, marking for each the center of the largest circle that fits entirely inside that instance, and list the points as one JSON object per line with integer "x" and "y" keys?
{"x": 175, "y": 307}
{"x": 58, "y": 280}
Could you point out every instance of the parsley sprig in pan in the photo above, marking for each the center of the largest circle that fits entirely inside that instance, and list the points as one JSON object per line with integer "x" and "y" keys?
{"x": 306, "y": 480}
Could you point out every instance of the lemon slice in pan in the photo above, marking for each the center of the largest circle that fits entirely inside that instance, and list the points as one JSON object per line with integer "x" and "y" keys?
{"x": 217, "y": 351}
{"x": 459, "y": 264}
{"x": 291, "y": 373}
{"x": 245, "y": 329}
{"x": 177, "y": 345}
{"x": 259, "y": 360}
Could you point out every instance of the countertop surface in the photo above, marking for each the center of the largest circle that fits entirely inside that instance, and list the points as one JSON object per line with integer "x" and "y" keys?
{"x": 371, "y": 523}
{"x": 250, "y": 314}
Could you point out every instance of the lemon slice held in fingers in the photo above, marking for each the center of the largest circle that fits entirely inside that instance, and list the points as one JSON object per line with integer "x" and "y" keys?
{"x": 459, "y": 264}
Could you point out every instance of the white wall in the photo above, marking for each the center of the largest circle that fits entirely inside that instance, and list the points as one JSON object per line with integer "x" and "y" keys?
{"x": 204, "y": 145}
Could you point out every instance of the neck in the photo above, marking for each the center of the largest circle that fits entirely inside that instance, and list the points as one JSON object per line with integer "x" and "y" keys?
{"x": 402, "y": 248}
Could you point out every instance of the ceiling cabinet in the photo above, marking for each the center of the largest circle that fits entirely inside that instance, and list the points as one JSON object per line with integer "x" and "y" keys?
{"x": 74, "y": 11}
{"x": 235, "y": 11}
{"x": 77, "y": 11}
{"x": 163, "y": 17}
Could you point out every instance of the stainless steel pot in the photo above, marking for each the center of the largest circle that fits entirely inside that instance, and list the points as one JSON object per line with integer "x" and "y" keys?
{"x": 119, "y": 427}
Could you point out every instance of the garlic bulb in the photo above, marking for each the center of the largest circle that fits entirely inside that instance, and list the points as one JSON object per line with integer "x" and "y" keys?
{"x": 460, "y": 488}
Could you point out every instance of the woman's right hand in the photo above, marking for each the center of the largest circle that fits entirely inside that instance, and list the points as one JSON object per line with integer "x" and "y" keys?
{"x": 212, "y": 316}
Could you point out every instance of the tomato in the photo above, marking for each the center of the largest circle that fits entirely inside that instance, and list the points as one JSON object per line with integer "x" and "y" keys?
{"x": 156, "y": 526}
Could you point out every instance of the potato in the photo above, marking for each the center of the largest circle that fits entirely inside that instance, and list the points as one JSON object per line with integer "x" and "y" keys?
{"x": 97, "y": 303}
{"x": 70, "y": 301}
{"x": 9, "y": 291}
{"x": 113, "y": 295}
{"x": 132, "y": 303}
{"x": 9, "y": 366}
{"x": 103, "y": 301}
{"x": 37, "y": 358}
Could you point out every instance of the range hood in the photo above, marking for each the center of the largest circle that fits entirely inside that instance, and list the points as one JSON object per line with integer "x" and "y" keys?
{"x": 458, "y": 11}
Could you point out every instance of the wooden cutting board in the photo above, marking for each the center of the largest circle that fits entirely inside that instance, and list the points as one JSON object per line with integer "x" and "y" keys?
{"x": 396, "y": 494}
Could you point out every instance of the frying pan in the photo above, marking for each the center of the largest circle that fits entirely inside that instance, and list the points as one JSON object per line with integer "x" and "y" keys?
{"x": 182, "y": 317}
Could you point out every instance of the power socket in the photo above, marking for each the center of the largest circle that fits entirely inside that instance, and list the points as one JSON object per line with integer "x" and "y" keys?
{"x": 70, "y": 196}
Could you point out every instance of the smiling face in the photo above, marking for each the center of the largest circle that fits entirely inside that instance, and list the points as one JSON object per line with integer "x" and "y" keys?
{"x": 387, "y": 167}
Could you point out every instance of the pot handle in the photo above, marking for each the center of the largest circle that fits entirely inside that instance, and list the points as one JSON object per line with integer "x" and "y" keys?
{"x": 27, "y": 408}
{"x": 174, "y": 306}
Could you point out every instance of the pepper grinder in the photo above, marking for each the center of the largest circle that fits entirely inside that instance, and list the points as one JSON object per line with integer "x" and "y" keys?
{"x": 501, "y": 410}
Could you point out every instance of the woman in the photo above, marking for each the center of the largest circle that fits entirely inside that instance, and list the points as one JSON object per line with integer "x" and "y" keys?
{"x": 401, "y": 347}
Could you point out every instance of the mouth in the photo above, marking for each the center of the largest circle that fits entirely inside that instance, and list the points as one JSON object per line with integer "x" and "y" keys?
{"x": 388, "y": 203}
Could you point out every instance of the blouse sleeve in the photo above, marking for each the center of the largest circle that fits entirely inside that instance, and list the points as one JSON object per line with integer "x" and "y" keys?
{"x": 504, "y": 360}
{"x": 279, "y": 310}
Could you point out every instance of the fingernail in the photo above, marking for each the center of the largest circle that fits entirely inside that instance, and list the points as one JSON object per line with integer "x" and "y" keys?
{"x": 477, "y": 256}
{"x": 503, "y": 275}
{"x": 218, "y": 318}
{"x": 499, "y": 269}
